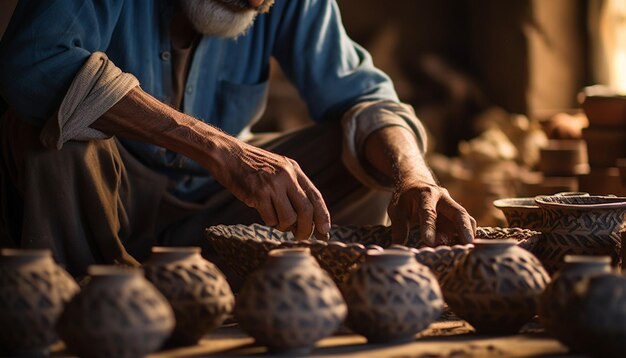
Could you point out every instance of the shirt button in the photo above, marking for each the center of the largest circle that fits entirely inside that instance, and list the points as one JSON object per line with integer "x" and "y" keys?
{"x": 166, "y": 55}
{"x": 189, "y": 89}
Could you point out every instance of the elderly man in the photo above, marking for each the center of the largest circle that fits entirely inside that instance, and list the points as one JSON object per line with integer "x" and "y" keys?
{"x": 128, "y": 126}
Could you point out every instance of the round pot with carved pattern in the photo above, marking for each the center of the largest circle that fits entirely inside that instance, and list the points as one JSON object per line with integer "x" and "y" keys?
{"x": 197, "y": 290}
{"x": 495, "y": 287}
{"x": 581, "y": 225}
{"x": 392, "y": 297}
{"x": 118, "y": 313}
{"x": 33, "y": 293}
{"x": 290, "y": 302}
{"x": 555, "y": 304}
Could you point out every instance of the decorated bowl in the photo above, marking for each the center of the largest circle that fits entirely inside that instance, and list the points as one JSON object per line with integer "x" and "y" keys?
{"x": 245, "y": 247}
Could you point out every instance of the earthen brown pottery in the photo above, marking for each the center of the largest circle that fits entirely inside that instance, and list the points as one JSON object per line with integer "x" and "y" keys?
{"x": 496, "y": 286}
{"x": 605, "y": 145}
{"x": 290, "y": 302}
{"x": 604, "y": 106}
{"x": 579, "y": 225}
{"x": 555, "y": 304}
{"x": 33, "y": 293}
{"x": 392, "y": 297}
{"x": 563, "y": 157}
{"x": 117, "y": 314}
{"x": 520, "y": 212}
{"x": 196, "y": 289}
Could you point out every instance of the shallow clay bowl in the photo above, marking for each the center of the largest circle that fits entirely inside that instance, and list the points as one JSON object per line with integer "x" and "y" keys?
{"x": 245, "y": 247}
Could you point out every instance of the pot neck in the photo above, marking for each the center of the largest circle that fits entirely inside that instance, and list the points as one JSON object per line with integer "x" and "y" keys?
{"x": 483, "y": 245}
{"x": 289, "y": 258}
{"x": 587, "y": 264}
{"x": 24, "y": 257}
{"x": 100, "y": 273}
{"x": 390, "y": 257}
{"x": 165, "y": 255}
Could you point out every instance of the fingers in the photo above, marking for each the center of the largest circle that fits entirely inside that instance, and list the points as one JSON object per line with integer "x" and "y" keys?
{"x": 464, "y": 224}
{"x": 303, "y": 213}
{"x": 428, "y": 217}
{"x": 400, "y": 227}
{"x": 321, "y": 216}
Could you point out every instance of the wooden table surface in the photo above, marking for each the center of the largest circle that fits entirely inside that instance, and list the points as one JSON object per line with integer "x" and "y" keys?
{"x": 442, "y": 339}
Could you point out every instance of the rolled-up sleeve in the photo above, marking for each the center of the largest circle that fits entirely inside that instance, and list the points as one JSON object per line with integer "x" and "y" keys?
{"x": 331, "y": 72}
{"x": 44, "y": 47}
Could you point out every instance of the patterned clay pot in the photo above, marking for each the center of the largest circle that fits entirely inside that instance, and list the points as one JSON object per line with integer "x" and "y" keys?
{"x": 555, "y": 303}
{"x": 496, "y": 286}
{"x": 197, "y": 290}
{"x": 392, "y": 297}
{"x": 599, "y": 316}
{"x": 520, "y": 212}
{"x": 290, "y": 303}
{"x": 33, "y": 293}
{"x": 117, "y": 314}
{"x": 581, "y": 225}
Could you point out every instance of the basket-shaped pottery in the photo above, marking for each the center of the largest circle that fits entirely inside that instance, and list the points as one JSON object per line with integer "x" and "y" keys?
{"x": 580, "y": 225}
{"x": 245, "y": 247}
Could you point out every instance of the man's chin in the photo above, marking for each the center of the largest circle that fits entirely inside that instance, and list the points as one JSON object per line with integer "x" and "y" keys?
{"x": 214, "y": 18}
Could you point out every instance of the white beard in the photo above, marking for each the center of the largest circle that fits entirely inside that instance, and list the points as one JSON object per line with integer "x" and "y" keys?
{"x": 211, "y": 18}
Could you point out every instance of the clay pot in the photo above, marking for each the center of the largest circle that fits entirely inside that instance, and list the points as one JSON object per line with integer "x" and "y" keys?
{"x": 602, "y": 181}
{"x": 33, "y": 293}
{"x": 117, "y": 314}
{"x": 598, "y": 313}
{"x": 392, "y": 297}
{"x": 579, "y": 225}
{"x": 555, "y": 306}
{"x": 496, "y": 286}
{"x": 290, "y": 302}
{"x": 604, "y": 106}
{"x": 564, "y": 158}
{"x": 195, "y": 288}
{"x": 605, "y": 145}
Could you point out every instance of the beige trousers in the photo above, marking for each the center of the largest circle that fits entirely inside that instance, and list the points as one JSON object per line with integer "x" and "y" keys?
{"x": 93, "y": 202}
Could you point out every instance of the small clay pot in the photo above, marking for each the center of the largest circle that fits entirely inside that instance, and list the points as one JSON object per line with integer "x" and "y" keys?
{"x": 604, "y": 106}
{"x": 117, "y": 314}
{"x": 495, "y": 286}
{"x": 564, "y": 158}
{"x": 290, "y": 302}
{"x": 392, "y": 297}
{"x": 555, "y": 304}
{"x": 581, "y": 225}
{"x": 605, "y": 145}
{"x": 197, "y": 290}
{"x": 520, "y": 212}
{"x": 598, "y": 316}
{"x": 33, "y": 293}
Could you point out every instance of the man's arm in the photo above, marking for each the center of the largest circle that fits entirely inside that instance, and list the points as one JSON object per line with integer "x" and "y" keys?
{"x": 417, "y": 198}
{"x": 272, "y": 184}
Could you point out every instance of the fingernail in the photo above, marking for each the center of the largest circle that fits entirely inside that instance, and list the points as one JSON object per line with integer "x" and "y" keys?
{"x": 325, "y": 228}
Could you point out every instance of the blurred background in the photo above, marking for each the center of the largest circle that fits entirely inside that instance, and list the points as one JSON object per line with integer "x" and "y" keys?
{"x": 505, "y": 89}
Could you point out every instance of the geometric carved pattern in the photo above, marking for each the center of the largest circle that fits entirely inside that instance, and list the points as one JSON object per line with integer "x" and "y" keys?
{"x": 495, "y": 287}
{"x": 196, "y": 289}
{"x": 581, "y": 226}
{"x": 520, "y": 212}
{"x": 32, "y": 297}
{"x": 290, "y": 306}
{"x": 116, "y": 315}
{"x": 245, "y": 247}
{"x": 392, "y": 300}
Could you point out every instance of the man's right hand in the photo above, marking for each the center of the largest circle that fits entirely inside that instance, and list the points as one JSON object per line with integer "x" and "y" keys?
{"x": 272, "y": 184}
{"x": 276, "y": 187}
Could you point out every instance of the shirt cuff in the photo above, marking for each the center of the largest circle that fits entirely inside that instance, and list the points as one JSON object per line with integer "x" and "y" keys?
{"x": 365, "y": 118}
{"x": 97, "y": 87}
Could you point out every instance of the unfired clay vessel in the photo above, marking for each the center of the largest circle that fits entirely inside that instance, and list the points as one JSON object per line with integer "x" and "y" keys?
{"x": 197, "y": 290}
{"x": 579, "y": 225}
{"x": 33, "y": 293}
{"x": 117, "y": 314}
{"x": 290, "y": 303}
{"x": 496, "y": 286}
{"x": 392, "y": 297}
{"x": 555, "y": 304}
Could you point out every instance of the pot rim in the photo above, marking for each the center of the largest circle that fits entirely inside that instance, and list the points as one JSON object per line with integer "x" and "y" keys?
{"x": 607, "y": 202}
{"x": 112, "y": 270}
{"x": 587, "y": 259}
{"x": 176, "y": 249}
{"x": 12, "y": 252}
{"x": 515, "y": 203}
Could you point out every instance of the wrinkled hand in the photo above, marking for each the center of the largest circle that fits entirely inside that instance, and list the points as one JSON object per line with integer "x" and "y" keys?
{"x": 277, "y": 188}
{"x": 440, "y": 218}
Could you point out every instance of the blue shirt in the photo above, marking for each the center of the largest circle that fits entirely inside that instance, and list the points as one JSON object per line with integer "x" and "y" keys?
{"x": 47, "y": 42}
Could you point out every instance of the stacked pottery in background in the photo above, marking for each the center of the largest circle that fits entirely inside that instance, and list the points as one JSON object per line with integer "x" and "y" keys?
{"x": 606, "y": 140}
{"x": 33, "y": 292}
{"x": 197, "y": 290}
{"x": 118, "y": 313}
{"x": 556, "y": 309}
{"x": 290, "y": 302}
{"x": 391, "y": 297}
{"x": 496, "y": 286}
{"x": 561, "y": 161}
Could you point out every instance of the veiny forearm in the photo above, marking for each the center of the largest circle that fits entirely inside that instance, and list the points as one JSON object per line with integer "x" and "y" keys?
{"x": 393, "y": 151}
{"x": 142, "y": 117}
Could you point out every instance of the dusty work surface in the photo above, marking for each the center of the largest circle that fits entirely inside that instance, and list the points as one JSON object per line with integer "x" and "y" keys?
{"x": 442, "y": 339}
